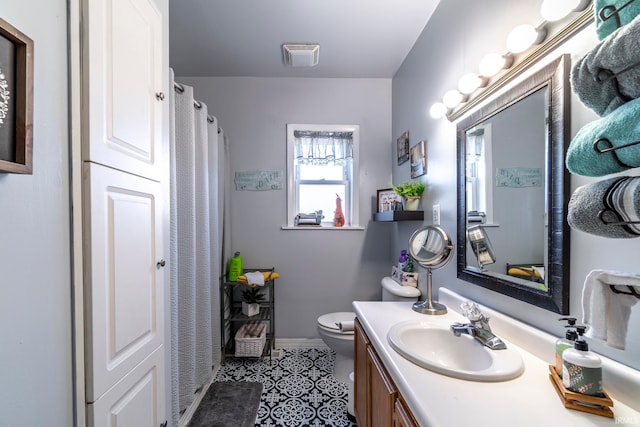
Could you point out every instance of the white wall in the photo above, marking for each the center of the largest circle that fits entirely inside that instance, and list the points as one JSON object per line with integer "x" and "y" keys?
{"x": 321, "y": 270}
{"x": 35, "y": 284}
{"x": 453, "y": 42}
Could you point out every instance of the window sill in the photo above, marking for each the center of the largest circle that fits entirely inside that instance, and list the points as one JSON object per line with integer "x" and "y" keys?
{"x": 314, "y": 228}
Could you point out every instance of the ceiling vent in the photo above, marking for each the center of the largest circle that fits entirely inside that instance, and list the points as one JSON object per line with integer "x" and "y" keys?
{"x": 300, "y": 54}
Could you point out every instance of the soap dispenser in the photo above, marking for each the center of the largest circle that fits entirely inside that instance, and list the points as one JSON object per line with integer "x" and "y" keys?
{"x": 582, "y": 369}
{"x": 564, "y": 343}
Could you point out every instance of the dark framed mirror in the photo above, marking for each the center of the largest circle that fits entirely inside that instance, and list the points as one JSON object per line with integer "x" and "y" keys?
{"x": 512, "y": 181}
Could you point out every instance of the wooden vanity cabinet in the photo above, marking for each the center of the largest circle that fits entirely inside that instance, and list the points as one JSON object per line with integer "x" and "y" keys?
{"x": 377, "y": 400}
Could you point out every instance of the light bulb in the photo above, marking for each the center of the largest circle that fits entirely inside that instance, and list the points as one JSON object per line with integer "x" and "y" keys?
{"x": 521, "y": 38}
{"x": 452, "y": 98}
{"x": 494, "y": 62}
{"x": 438, "y": 110}
{"x": 469, "y": 83}
{"x": 555, "y": 10}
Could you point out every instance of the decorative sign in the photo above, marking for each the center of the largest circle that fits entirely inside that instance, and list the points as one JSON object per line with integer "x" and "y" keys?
{"x": 258, "y": 180}
{"x": 518, "y": 177}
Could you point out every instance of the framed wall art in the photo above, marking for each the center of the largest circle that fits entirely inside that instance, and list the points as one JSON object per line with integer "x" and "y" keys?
{"x": 403, "y": 147}
{"x": 16, "y": 100}
{"x": 389, "y": 200}
{"x": 419, "y": 159}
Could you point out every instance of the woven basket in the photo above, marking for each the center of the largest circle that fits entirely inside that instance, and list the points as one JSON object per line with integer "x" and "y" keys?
{"x": 250, "y": 340}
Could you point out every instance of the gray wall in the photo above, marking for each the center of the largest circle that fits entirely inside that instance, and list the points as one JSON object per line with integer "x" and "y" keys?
{"x": 35, "y": 285}
{"x": 452, "y": 44}
{"x": 321, "y": 270}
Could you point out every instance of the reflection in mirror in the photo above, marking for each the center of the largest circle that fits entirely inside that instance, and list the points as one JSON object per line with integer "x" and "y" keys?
{"x": 511, "y": 188}
{"x": 480, "y": 245}
{"x": 431, "y": 247}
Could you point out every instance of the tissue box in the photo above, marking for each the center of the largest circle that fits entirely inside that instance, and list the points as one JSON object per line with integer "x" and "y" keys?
{"x": 404, "y": 278}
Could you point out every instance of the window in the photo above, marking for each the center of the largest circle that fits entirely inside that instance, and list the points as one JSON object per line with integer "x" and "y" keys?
{"x": 322, "y": 163}
{"x": 479, "y": 172}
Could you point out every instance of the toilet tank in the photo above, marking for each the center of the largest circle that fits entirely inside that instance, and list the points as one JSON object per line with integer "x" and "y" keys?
{"x": 394, "y": 291}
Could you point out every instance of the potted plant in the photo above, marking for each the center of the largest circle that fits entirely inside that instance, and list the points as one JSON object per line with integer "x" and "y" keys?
{"x": 410, "y": 191}
{"x": 252, "y": 299}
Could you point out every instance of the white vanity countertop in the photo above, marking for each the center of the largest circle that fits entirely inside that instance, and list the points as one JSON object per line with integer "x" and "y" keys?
{"x": 441, "y": 401}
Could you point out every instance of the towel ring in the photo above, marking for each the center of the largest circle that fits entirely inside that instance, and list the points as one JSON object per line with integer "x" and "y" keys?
{"x": 632, "y": 290}
{"x": 610, "y": 148}
{"x": 607, "y": 222}
{"x": 614, "y": 12}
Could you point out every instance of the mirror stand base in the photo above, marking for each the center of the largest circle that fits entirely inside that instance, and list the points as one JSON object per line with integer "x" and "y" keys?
{"x": 429, "y": 307}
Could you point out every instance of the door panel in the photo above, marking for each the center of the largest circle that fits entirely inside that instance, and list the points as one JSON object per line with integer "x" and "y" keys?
{"x": 135, "y": 401}
{"x": 125, "y": 61}
{"x": 125, "y": 290}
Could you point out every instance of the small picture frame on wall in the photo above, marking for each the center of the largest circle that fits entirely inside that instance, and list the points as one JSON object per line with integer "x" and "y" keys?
{"x": 419, "y": 159}
{"x": 403, "y": 147}
{"x": 16, "y": 100}
{"x": 389, "y": 200}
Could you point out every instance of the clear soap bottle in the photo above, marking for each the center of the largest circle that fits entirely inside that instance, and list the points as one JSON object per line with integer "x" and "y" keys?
{"x": 565, "y": 343}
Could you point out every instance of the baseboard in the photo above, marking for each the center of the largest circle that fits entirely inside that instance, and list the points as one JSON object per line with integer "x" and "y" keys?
{"x": 300, "y": 343}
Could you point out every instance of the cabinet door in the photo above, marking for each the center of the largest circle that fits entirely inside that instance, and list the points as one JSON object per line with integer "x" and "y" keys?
{"x": 124, "y": 288}
{"x": 135, "y": 401}
{"x": 402, "y": 416}
{"x": 382, "y": 392}
{"x": 123, "y": 47}
{"x": 360, "y": 373}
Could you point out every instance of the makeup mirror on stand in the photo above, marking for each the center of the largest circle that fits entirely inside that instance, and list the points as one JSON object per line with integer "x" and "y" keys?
{"x": 431, "y": 248}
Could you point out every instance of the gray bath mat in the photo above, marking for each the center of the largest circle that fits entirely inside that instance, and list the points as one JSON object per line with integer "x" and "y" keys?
{"x": 229, "y": 404}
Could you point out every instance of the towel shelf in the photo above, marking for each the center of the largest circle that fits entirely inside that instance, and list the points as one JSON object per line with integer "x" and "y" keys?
{"x": 232, "y": 317}
{"x": 631, "y": 290}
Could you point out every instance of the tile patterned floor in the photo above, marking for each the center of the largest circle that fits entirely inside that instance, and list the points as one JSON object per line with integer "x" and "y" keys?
{"x": 299, "y": 389}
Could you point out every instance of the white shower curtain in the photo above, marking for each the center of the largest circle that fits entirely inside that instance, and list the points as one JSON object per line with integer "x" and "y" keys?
{"x": 195, "y": 249}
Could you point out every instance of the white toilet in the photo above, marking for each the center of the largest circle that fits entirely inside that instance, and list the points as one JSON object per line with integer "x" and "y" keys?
{"x": 341, "y": 341}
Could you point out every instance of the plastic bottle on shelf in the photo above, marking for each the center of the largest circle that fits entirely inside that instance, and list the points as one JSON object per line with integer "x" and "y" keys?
{"x": 235, "y": 267}
{"x": 403, "y": 260}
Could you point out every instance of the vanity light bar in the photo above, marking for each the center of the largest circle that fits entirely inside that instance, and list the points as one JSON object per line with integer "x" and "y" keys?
{"x": 519, "y": 40}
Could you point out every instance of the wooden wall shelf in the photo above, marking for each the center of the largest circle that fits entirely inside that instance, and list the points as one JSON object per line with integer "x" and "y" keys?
{"x": 399, "y": 216}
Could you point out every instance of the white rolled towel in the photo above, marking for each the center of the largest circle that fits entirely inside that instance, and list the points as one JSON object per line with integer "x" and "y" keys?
{"x": 255, "y": 278}
{"x": 604, "y": 311}
{"x": 345, "y": 326}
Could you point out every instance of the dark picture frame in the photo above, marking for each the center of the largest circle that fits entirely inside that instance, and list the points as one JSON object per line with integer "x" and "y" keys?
{"x": 388, "y": 200}
{"x": 403, "y": 147}
{"x": 16, "y": 100}
{"x": 419, "y": 159}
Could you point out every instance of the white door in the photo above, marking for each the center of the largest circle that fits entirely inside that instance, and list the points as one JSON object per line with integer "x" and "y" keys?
{"x": 123, "y": 50}
{"x": 136, "y": 400}
{"x": 123, "y": 273}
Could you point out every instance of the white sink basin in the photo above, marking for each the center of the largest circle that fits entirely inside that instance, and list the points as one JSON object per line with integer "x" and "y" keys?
{"x": 436, "y": 348}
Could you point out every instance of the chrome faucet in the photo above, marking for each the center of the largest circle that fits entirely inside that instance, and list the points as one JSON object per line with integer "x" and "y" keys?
{"x": 478, "y": 327}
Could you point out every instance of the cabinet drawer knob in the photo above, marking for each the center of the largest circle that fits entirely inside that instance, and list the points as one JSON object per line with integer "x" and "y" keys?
{"x": 160, "y": 96}
{"x": 161, "y": 263}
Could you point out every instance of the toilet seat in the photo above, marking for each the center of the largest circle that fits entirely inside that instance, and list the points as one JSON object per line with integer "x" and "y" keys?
{"x": 327, "y": 322}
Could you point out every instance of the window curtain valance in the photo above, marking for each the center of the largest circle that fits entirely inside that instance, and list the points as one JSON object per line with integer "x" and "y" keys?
{"x": 321, "y": 148}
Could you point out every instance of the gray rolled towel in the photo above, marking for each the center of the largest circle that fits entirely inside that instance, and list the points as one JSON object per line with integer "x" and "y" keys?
{"x": 609, "y": 74}
{"x": 599, "y": 208}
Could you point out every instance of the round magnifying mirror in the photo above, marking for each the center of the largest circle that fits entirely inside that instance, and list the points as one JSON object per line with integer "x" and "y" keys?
{"x": 431, "y": 247}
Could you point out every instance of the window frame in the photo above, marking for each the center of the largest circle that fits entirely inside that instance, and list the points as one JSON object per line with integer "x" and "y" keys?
{"x": 352, "y": 212}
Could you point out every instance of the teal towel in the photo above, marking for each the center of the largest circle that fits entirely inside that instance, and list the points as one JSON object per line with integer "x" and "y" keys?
{"x": 599, "y": 208}
{"x": 619, "y": 128}
{"x": 609, "y": 74}
{"x": 612, "y": 14}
